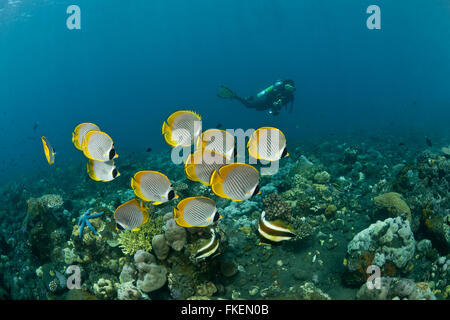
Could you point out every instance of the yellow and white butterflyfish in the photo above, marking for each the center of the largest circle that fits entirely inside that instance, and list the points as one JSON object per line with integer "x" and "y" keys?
{"x": 102, "y": 171}
{"x": 196, "y": 212}
{"x": 80, "y": 131}
{"x": 236, "y": 181}
{"x": 182, "y": 128}
{"x": 131, "y": 215}
{"x": 152, "y": 186}
{"x": 273, "y": 231}
{"x": 97, "y": 145}
{"x": 201, "y": 164}
{"x": 48, "y": 151}
{"x": 267, "y": 143}
{"x": 217, "y": 140}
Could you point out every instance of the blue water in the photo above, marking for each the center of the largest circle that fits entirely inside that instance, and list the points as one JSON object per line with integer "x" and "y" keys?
{"x": 135, "y": 62}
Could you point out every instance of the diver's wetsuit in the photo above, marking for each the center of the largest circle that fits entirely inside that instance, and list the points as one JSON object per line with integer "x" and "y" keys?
{"x": 273, "y": 100}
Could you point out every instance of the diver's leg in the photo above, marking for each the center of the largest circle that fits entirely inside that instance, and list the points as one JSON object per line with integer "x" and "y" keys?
{"x": 245, "y": 102}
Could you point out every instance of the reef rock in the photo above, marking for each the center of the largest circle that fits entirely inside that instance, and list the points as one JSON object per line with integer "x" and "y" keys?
{"x": 322, "y": 177}
{"x": 104, "y": 288}
{"x": 127, "y": 291}
{"x": 396, "y": 288}
{"x": 388, "y": 240}
{"x": 175, "y": 235}
{"x": 160, "y": 246}
{"x": 151, "y": 276}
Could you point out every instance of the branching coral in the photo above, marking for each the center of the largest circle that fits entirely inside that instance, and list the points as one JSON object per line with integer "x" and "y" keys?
{"x": 132, "y": 241}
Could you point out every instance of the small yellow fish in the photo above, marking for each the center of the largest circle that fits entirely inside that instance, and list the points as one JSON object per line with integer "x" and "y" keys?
{"x": 48, "y": 151}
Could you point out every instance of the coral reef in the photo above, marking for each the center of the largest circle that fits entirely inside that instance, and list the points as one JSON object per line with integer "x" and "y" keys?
{"x": 151, "y": 276}
{"x": 276, "y": 208}
{"x": 395, "y": 289}
{"x": 132, "y": 241}
{"x": 104, "y": 288}
{"x": 351, "y": 202}
{"x": 385, "y": 241}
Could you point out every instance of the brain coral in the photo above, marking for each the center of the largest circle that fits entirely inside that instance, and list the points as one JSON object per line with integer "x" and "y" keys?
{"x": 394, "y": 204}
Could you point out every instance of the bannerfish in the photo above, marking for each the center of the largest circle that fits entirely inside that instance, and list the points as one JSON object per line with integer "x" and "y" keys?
{"x": 131, "y": 215}
{"x": 201, "y": 164}
{"x": 209, "y": 249}
{"x": 217, "y": 140}
{"x": 273, "y": 231}
{"x": 97, "y": 145}
{"x": 48, "y": 151}
{"x": 236, "y": 181}
{"x": 152, "y": 186}
{"x": 102, "y": 171}
{"x": 181, "y": 128}
{"x": 80, "y": 131}
{"x": 267, "y": 143}
{"x": 196, "y": 212}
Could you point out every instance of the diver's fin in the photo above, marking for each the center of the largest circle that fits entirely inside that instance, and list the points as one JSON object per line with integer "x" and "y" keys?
{"x": 225, "y": 93}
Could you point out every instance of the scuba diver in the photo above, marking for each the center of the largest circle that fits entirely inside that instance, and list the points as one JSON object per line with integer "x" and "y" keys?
{"x": 273, "y": 98}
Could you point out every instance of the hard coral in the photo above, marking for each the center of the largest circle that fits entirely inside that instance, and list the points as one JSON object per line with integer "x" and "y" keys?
{"x": 175, "y": 235}
{"x": 276, "y": 208}
{"x": 132, "y": 241}
{"x": 151, "y": 276}
{"x": 394, "y": 204}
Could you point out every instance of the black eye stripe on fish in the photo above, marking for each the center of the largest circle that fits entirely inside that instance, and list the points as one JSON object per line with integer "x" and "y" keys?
{"x": 97, "y": 145}
{"x": 151, "y": 186}
{"x": 102, "y": 171}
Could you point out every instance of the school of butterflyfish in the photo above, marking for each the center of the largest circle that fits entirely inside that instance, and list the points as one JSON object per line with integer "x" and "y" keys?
{"x": 98, "y": 147}
{"x": 211, "y": 164}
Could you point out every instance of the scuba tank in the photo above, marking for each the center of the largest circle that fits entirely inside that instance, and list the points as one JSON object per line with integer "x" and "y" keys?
{"x": 268, "y": 89}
